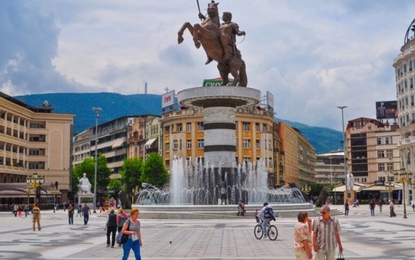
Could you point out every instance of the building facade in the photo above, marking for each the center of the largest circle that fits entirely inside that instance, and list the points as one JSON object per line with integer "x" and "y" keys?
{"x": 330, "y": 168}
{"x": 372, "y": 149}
{"x": 34, "y": 140}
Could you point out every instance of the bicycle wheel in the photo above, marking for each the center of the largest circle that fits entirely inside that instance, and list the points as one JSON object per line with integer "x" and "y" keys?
{"x": 258, "y": 231}
{"x": 272, "y": 232}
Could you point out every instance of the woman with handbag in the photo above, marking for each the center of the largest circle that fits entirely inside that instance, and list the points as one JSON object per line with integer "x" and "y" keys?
{"x": 132, "y": 228}
{"x": 302, "y": 237}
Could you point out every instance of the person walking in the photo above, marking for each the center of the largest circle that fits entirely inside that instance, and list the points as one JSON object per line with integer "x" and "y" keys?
{"x": 71, "y": 211}
{"x": 132, "y": 228}
{"x": 36, "y": 217}
{"x": 391, "y": 209}
{"x": 121, "y": 218}
{"x": 372, "y": 207}
{"x": 85, "y": 212}
{"x": 346, "y": 208}
{"x": 326, "y": 235}
{"x": 266, "y": 214}
{"x": 26, "y": 210}
{"x": 380, "y": 205}
{"x": 302, "y": 237}
{"x": 15, "y": 209}
{"x": 111, "y": 227}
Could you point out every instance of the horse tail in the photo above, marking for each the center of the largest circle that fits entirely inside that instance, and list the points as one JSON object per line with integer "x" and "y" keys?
{"x": 243, "y": 78}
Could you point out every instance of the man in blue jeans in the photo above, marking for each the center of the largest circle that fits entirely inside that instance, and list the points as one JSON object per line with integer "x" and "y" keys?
{"x": 266, "y": 213}
{"x": 85, "y": 212}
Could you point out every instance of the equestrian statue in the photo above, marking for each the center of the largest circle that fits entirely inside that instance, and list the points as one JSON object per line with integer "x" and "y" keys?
{"x": 219, "y": 42}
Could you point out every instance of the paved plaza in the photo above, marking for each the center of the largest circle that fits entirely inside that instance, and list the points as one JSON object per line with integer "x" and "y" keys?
{"x": 364, "y": 237}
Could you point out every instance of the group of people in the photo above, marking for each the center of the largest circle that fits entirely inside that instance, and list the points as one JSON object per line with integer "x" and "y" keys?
{"x": 322, "y": 235}
{"x": 17, "y": 210}
{"x": 372, "y": 206}
{"x": 127, "y": 225}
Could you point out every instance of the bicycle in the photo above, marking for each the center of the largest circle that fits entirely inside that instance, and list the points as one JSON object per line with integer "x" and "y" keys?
{"x": 272, "y": 231}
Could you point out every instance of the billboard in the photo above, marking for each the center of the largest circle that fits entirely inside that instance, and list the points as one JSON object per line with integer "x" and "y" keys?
{"x": 270, "y": 101}
{"x": 167, "y": 99}
{"x": 215, "y": 82}
{"x": 386, "y": 109}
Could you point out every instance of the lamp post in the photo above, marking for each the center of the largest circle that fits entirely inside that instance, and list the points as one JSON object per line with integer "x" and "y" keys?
{"x": 29, "y": 190}
{"x": 35, "y": 181}
{"x": 306, "y": 189}
{"x": 344, "y": 153}
{"x": 402, "y": 177}
{"x": 55, "y": 191}
{"x": 97, "y": 110}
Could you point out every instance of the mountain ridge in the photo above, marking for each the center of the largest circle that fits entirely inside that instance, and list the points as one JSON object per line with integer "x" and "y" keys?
{"x": 115, "y": 105}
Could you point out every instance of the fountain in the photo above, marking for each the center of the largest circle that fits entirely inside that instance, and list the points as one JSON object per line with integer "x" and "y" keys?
{"x": 197, "y": 188}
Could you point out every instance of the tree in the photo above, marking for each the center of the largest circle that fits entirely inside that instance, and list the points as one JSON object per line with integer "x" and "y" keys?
{"x": 103, "y": 173}
{"x": 153, "y": 171}
{"x": 130, "y": 173}
{"x": 114, "y": 185}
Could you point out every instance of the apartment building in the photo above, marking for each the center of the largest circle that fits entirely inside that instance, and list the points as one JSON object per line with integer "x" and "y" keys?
{"x": 118, "y": 139}
{"x": 297, "y": 156}
{"x": 371, "y": 149}
{"x": 404, "y": 65}
{"x": 330, "y": 168}
{"x": 33, "y": 140}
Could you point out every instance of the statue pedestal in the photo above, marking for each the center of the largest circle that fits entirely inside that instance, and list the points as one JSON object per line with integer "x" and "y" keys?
{"x": 87, "y": 198}
{"x": 350, "y": 196}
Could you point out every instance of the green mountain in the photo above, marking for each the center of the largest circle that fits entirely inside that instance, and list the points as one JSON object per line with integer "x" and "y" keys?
{"x": 117, "y": 105}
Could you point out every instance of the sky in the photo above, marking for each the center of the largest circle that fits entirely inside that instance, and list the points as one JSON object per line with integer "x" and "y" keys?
{"x": 311, "y": 55}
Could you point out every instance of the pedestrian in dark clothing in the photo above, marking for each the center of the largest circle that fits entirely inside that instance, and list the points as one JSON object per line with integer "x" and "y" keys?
{"x": 372, "y": 207}
{"x": 85, "y": 212}
{"x": 346, "y": 208}
{"x": 111, "y": 227}
{"x": 71, "y": 211}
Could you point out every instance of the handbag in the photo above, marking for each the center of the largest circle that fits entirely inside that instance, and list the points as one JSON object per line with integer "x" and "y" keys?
{"x": 340, "y": 256}
{"x": 121, "y": 237}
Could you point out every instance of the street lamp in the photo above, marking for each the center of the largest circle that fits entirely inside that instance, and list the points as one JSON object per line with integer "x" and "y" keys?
{"x": 29, "y": 190}
{"x": 55, "y": 191}
{"x": 97, "y": 110}
{"x": 402, "y": 176}
{"x": 306, "y": 189}
{"x": 344, "y": 153}
{"x": 35, "y": 181}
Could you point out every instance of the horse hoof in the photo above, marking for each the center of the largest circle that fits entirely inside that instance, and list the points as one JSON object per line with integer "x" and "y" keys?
{"x": 180, "y": 39}
{"x": 197, "y": 44}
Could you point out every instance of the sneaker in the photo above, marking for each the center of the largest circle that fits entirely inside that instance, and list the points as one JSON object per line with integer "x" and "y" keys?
{"x": 108, "y": 245}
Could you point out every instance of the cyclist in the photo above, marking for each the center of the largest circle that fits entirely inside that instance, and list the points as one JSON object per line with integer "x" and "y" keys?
{"x": 266, "y": 214}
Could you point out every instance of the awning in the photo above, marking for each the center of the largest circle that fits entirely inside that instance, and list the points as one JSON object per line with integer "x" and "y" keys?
{"x": 150, "y": 142}
{"x": 382, "y": 187}
{"x": 342, "y": 188}
{"x": 118, "y": 143}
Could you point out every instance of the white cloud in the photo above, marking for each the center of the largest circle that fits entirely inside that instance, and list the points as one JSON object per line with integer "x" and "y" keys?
{"x": 312, "y": 55}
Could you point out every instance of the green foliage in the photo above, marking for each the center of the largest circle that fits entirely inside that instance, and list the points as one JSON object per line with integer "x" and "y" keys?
{"x": 131, "y": 173}
{"x": 103, "y": 173}
{"x": 115, "y": 185}
{"x": 153, "y": 171}
{"x": 88, "y": 167}
{"x": 315, "y": 189}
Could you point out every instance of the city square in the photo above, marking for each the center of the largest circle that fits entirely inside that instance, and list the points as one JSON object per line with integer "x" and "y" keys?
{"x": 363, "y": 236}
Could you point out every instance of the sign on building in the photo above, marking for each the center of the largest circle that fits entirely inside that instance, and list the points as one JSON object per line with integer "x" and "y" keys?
{"x": 167, "y": 99}
{"x": 386, "y": 109}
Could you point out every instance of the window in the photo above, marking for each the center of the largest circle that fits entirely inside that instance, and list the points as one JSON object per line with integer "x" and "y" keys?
{"x": 264, "y": 127}
{"x": 389, "y": 166}
{"x": 247, "y": 143}
{"x": 388, "y": 138}
{"x": 179, "y": 127}
{"x": 167, "y": 147}
{"x": 247, "y": 126}
{"x": 247, "y": 160}
{"x": 257, "y": 144}
{"x": 381, "y": 167}
{"x": 200, "y": 143}
{"x": 189, "y": 127}
{"x": 189, "y": 144}
{"x": 200, "y": 126}
{"x": 379, "y": 140}
{"x": 389, "y": 153}
{"x": 381, "y": 154}
{"x": 167, "y": 130}
{"x": 257, "y": 127}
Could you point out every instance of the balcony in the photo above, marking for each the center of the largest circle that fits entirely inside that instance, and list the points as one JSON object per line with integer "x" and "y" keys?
{"x": 407, "y": 142}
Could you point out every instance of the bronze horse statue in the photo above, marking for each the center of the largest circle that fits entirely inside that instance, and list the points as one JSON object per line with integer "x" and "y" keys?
{"x": 208, "y": 34}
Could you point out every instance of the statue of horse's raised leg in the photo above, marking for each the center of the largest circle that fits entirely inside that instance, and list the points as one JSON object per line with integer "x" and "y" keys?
{"x": 185, "y": 26}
